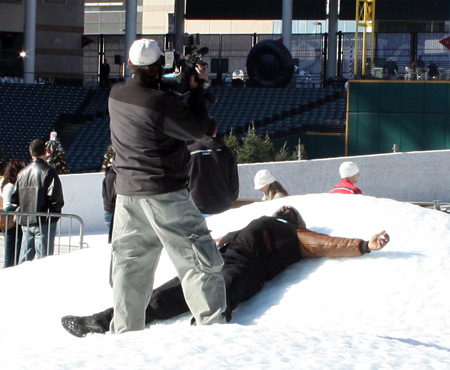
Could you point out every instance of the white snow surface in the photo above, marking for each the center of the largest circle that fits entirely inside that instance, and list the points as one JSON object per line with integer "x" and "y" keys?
{"x": 389, "y": 309}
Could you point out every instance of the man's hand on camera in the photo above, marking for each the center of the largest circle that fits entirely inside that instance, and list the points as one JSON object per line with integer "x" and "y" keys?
{"x": 197, "y": 79}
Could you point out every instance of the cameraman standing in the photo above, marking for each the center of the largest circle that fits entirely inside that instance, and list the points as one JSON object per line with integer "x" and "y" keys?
{"x": 149, "y": 127}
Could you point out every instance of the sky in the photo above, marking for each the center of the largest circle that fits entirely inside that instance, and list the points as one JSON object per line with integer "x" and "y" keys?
{"x": 389, "y": 309}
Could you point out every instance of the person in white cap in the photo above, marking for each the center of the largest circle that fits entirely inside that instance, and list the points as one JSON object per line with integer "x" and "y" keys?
{"x": 266, "y": 183}
{"x": 149, "y": 129}
{"x": 349, "y": 172}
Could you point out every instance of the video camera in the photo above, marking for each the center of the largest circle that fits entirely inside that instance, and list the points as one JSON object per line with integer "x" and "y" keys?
{"x": 177, "y": 70}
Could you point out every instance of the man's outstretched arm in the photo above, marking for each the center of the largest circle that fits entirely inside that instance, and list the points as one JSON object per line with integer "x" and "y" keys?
{"x": 314, "y": 245}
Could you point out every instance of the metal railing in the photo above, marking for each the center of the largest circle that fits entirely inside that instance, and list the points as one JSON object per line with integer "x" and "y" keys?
{"x": 69, "y": 232}
{"x": 435, "y": 204}
{"x": 230, "y": 51}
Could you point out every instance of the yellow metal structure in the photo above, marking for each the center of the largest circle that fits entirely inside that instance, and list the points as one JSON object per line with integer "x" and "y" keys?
{"x": 365, "y": 17}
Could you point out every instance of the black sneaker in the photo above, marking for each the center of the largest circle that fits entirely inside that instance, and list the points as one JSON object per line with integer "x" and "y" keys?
{"x": 82, "y": 325}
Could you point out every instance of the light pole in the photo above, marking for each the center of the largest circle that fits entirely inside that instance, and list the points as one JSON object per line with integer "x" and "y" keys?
{"x": 29, "y": 42}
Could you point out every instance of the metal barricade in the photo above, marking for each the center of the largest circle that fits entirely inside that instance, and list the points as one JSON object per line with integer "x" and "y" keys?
{"x": 68, "y": 231}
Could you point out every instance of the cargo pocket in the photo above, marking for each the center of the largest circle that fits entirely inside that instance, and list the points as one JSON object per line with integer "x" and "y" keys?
{"x": 206, "y": 255}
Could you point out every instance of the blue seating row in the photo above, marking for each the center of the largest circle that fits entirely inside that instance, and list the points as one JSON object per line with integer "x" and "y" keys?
{"x": 30, "y": 111}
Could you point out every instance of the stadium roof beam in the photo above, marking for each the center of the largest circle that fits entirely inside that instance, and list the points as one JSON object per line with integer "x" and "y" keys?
{"x": 332, "y": 39}
{"x": 30, "y": 42}
{"x": 130, "y": 29}
{"x": 287, "y": 24}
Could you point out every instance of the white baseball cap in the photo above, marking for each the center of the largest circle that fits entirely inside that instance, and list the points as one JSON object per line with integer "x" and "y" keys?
{"x": 263, "y": 178}
{"x": 348, "y": 169}
{"x": 144, "y": 52}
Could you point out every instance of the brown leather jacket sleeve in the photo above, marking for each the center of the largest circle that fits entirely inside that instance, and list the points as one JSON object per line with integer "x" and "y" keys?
{"x": 314, "y": 245}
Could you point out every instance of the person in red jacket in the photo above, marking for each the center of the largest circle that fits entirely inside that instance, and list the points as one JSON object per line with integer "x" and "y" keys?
{"x": 350, "y": 175}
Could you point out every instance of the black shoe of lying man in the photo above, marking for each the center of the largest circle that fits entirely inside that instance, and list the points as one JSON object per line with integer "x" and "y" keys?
{"x": 82, "y": 325}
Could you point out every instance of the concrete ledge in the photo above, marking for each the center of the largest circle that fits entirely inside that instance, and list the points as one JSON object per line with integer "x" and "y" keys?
{"x": 409, "y": 177}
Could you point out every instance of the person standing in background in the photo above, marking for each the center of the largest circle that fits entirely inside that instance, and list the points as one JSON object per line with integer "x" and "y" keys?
{"x": 390, "y": 68}
{"x": 104, "y": 73}
{"x": 13, "y": 237}
{"x": 349, "y": 173}
{"x": 433, "y": 71}
{"x": 38, "y": 189}
{"x": 213, "y": 173}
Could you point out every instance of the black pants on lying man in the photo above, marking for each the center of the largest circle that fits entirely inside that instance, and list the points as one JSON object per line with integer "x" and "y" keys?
{"x": 253, "y": 255}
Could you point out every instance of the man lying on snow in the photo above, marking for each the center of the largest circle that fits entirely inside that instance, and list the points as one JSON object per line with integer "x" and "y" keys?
{"x": 252, "y": 256}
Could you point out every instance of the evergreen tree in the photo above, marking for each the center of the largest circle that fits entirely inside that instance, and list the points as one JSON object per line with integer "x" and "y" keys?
{"x": 232, "y": 142}
{"x": 268, "y": 148}
{"x": 283, "y": 154}
{"x": 108, "y": 158}
{"x": 55, "y": 154}
{"x": 255, "y": 149}
{"x": 300, "y": 151}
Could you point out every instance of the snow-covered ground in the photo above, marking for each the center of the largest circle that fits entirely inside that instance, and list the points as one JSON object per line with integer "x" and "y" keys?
{"x": 386, "y": 310}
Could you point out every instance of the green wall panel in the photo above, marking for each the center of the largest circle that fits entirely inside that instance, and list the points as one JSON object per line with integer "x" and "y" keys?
{"x": 435, "y": 97}
{"x": 434, "y": 128}
{"x": 413, "y": 97}
{"x": 368, "y": 128}
{"x": 353, "y": 91}
{"x": 390, "y": 131}
{"x": 447, "y": 98}
{"x": 317, "y": 145}
{"x": 369, "y": 97}
{"x": 415, "y": 115}
{"x": 352, "y": 127}
{"x": 387, "y": 92}
{"x": 412, "y": 132}
{"x": 447, "y": 132}
{"x": 323, "y": 145}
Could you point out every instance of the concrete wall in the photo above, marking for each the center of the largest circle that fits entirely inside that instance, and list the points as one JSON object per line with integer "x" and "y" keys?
{"x": 412, "y": 177}
{"x": 12, "y": 17}
{"x": 59, "y": 28}
{"x": 83, "y": 197}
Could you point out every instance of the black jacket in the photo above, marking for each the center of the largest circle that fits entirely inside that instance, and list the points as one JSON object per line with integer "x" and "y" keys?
{"x": 271, "y": 244}
{"x": 213, "y": 175}
{"x": 38, "y": 189}
{"x": 149, "y": 128}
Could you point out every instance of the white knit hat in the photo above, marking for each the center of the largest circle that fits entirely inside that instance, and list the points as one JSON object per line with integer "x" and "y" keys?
{"x": 348, "y": 169}
{"x": 144, "y": 52}
{"x": 263, "y": 178}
